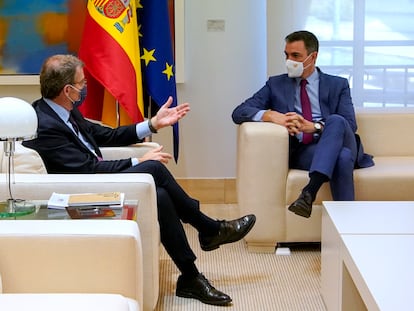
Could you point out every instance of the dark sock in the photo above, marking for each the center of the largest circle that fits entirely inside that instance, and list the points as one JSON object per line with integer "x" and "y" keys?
{"x": 315, "y": 183}
{"x": 189, "y": 271}
{"x": 205, "y": 225}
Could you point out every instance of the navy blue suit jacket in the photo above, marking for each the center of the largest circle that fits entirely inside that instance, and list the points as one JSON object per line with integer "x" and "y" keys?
{"x": 63, "y": 152}
{"x": 278, "y": 94}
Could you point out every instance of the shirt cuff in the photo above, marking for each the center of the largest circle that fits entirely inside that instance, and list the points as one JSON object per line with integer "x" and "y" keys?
{"x": 134, "y": 161}
{"x": 258, "y": 116}
{"x": 143, "y": 130}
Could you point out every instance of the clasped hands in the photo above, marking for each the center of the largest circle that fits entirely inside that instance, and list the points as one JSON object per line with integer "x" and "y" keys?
{"x": 293, "y": 122}
{"x": 296, "y": 123}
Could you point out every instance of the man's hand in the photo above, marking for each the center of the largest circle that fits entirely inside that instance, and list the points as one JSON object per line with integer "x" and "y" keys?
{"x": 168, "y": 116}
{"x": 157, "y": 155}
{"x": 292, "y": 121}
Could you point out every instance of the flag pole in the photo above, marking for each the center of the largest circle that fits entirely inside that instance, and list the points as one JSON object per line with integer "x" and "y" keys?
{"x": 118, "y": 121}
{"x": 149, "y": 114}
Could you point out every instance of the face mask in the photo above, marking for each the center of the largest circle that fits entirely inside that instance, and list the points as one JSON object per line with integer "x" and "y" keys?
{"x": 295, "y": 69}
{"x": 82, "y": 93}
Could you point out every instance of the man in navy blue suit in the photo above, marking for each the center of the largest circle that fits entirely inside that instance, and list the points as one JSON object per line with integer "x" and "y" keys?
{"x": 68, "y": 143}
{"x": 323, "y": 141}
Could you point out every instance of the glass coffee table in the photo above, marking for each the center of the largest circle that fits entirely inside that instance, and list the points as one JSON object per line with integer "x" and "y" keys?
{"x": 127, "y": 211}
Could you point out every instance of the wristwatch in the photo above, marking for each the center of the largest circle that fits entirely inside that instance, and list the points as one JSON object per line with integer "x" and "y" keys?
{"x": 318, "y": 127}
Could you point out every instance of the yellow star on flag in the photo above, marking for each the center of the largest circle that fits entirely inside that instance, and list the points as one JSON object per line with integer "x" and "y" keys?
{"x": 139, "y": 31}
{"x": 148, "y": 56}
{"x": 138, "y": 4}
{"x": 168, "y": 71}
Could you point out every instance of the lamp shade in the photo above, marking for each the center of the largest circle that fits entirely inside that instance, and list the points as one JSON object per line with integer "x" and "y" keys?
{"x": 18, "y": 119}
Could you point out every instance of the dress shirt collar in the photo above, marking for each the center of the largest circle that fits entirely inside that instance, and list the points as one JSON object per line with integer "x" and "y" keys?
{"x": 60, "y": 111}
{"x": 311, "y": 79}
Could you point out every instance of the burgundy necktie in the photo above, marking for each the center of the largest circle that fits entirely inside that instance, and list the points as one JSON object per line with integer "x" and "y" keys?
{"x": 76, "y": 128}
{"x": 74, "y": 124}
{"x": 306, "y": 109}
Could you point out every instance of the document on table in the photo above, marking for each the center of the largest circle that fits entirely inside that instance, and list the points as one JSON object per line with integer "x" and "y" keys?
{"x": 104, "y": 199}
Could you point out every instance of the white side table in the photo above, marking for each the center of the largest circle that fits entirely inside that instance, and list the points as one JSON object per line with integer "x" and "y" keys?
{"x": 356, "y": 217}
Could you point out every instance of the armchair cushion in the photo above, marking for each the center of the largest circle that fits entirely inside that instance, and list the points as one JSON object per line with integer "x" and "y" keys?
{"x": 25, "y": 160}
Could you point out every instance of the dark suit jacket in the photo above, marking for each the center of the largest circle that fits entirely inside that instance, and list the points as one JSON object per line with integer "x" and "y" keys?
{"x": 63, "y": 152}
{"x": 278, "y": 94}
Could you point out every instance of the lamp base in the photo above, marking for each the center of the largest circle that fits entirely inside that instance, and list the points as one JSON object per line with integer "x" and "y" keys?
{"x": 16, "y": 208}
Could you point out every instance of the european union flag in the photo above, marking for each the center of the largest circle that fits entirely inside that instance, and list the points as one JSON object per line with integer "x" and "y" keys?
{"x": 158, "y": 68}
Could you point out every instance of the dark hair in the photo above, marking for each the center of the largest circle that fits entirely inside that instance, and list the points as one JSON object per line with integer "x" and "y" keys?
{"x": 310, "y": 40}
{"x": 58, "y": 71}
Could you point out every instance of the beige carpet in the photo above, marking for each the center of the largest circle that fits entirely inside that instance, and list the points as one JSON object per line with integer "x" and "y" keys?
{"x": 254, "y": 281}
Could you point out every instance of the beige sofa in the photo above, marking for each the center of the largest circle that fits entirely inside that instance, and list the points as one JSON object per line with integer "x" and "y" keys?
{"x": 33, "y": 183}
{"x": 266, "y": 187}
{"x": 70, "y": 265}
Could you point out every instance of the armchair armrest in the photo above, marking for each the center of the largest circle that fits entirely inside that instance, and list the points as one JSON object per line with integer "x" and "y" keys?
{"x": 132, "y": 151}
{"x": 262, "y": 168}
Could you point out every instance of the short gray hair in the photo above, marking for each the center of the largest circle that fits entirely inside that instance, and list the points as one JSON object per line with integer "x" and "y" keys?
{"x": 58, "y": 71}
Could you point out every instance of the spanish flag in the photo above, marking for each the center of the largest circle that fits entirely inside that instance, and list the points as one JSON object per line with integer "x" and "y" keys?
{"x": 110, "y": 50}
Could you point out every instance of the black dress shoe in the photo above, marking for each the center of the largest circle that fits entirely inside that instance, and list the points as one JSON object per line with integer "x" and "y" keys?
{"x": 201, "y": 289}
{"x": 229, "y": 232}
{"x": 303, "y": 205}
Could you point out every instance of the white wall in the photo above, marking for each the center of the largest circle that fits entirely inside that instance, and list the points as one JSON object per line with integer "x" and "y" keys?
{"x": 221, "y": 70}
{"x": 283, "y": 17}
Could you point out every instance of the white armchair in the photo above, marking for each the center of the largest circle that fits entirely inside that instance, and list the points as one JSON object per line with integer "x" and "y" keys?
{"x": 266, "y": 186}
{"x": 71, "y": 265}
{"x": 33, "y": 183}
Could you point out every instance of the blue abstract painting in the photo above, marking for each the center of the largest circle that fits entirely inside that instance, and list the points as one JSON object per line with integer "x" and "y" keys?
{"x": 30, "y": 31}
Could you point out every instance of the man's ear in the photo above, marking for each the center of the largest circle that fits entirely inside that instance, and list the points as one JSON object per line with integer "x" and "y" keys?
{"x": 315, "y": 56}
{"x": 66, "y": 89}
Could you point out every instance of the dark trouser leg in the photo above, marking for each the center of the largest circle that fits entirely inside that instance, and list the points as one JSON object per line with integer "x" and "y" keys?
{"x": 333, "y": 156}
{"x": 187, "y": 208}
{"x": 173, "y": 235}
{"x": 337, "y": 135}
{"x": 342, "y": 181}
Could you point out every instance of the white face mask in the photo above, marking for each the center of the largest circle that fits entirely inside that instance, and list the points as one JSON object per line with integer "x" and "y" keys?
{"x": 295, "y": 69}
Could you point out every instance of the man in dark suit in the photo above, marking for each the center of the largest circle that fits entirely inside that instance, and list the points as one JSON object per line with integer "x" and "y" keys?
{"x": 68, "y": 143}
{"x": 317, "y": 111}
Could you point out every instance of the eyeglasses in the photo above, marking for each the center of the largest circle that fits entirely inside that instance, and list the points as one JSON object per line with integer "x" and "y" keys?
{"x": 81, "y": 82}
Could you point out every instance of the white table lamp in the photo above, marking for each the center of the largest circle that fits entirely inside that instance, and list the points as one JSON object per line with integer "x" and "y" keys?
{"x": 18, "y": 121}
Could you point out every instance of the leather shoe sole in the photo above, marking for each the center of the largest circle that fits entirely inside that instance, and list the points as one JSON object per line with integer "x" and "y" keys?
{"x": 303, "y": 205}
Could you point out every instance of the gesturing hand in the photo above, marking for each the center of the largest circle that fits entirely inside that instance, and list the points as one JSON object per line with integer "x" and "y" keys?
{"x": 168, "y": 116}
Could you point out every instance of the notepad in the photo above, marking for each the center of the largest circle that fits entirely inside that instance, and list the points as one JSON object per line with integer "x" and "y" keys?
{"x": 61, "y": 201}
{"x": 105, "y": 198}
